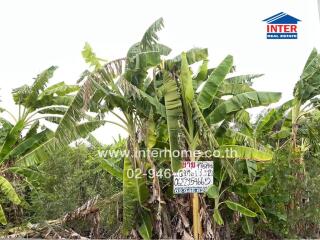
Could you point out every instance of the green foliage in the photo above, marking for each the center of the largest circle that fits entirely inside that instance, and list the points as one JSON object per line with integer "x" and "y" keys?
{"x": 243, "y": 79}
{"x": 135, "y": 194}
{"x": 217, "y": 217}
{"x": 151, "y": 138}
{"x": 90, "y": 57}
{"x": 213, "y": 83}
{"x": 247, "y": 225}
{"x": 201, "y": 75}
{"x": 72, "y": 176}
{"x": 186, "y": 79}
{"x": 239, "y": 208}
{"x": 272, "y": 160}
{"x": 145, "y": 60}
{"x": 27, "y": 96}
{"x": 9, "y": 193}
{"x": 60, "y": 89}
{"x": 234, "y": 88}
{"x": 145, "y": 229}
{"x": 174, "y": 113}
{"x": 193, "y": 55}
{"x": 246, "y": 153}
{"x": 111, "y": 168}
{"x": 5, "y": 128}
{"x": 309, "y": 84}
{"x": 3, "y": 219}
{"x": 150, "y": 37}
{"x": 27, "y": 135}
{"x": 213, "y": 192}
{"x": 11, "y": 138}
{"x": 242, "y": 101}
{"x": 68, "y": 130}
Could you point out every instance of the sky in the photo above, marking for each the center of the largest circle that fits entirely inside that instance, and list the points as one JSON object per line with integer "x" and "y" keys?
{"x": 38, "y": 34}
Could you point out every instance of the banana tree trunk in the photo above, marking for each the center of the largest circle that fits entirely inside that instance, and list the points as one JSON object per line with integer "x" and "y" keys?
{"x": 297, "y": 156}
{"x": 295, "y": 127}
{"x": 197, "y": 228}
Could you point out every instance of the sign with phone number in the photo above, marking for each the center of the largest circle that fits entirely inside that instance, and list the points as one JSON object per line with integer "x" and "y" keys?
{"x": 194, "y": 177}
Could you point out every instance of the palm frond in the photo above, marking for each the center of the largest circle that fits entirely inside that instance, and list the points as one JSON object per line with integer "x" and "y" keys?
{"x": 203, "y": 126}
{"x": 150, "y": 37}
{"x": 247, "y": 79}
{"x": 174, "y": 113}
{"x": 69, "y": 129}
{"x": 90, "y": 57}
{"x": 135, "y": 194}
{"x": 132, "y": 91}
{"x": 10, "y": 140}
{"x": 8, "y": 191}
{"x": 242, "y": 101}
{"x": 39, "y": 85}
{"x": 213, "y": 83}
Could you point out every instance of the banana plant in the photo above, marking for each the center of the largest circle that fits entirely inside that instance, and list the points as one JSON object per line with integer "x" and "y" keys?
{"x": 23, "y": 132}
{"x": 287, "y": 121}
{"x": 27, "y": 139}
{"x": 223, "y": 197}
{"x": 35, "y": 103}
{"x": 191, "y": 106}
{"x": 305, "y": 90}
{"x": 203, "y": 109}
{"x": 303, "y": 108}
{"x": 10, "y": 194}
{"x": 120, "y": 88}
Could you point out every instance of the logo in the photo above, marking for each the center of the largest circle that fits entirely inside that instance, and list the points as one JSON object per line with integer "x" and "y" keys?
{"x": 282, "y": 26}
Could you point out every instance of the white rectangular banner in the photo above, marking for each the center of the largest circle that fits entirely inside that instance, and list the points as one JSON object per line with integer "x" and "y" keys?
{"x": 194, "y": 177}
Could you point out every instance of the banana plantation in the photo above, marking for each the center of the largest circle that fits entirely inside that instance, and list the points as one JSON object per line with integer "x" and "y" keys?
{"x": 55, "y": 183}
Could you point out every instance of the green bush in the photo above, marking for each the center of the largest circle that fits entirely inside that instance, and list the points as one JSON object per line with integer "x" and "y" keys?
{"x": 72, "y": 177}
